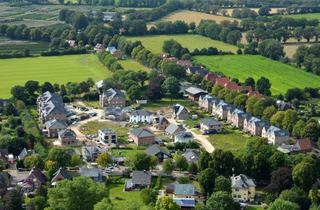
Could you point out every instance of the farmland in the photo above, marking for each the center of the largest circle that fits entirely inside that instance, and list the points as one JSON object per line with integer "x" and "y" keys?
{"x": 281, "y": 76}
{"x": 155, "y": 43}
{"x": 8, "y": 45}
{"x": 57, "y": 69}
{"x": 131, "y": 64}
{"x": 309, "y": 16}
{"x": 192, "y": 16}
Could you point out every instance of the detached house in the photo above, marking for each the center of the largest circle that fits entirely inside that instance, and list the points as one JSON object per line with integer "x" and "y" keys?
{"x": 194, "y": 93}
{"x": 180, "y": 112}
{"x": 243, "y": 188}
{"x": 90, "y": 153}
{"x": 67, "y": 137}
{"x": 158, "y": 151}
{"x": 139, "y": 179}
{"x": 183, "y": 137}
{"x": 141, "y": 116}
{"x": 160, "y": 123}
{"x": 275, "y": 135}
{"x": 210, "y": 125}
{"x": 206, "y": 101}
{"x": 107, "y": 136}
{"x": 59, "y": 175}
{"x": 173, "y": 129}
{"x": 253, "y": 126}
{"x": 33, "y": 181}
{"x": 184, "y": 195}
{"x": 197, "y": 70}
{"x": 112, "y": 98}
{"x": 93, "y": 173}
{"x": 142, "y": 136}
{"x": 53, "y": 127}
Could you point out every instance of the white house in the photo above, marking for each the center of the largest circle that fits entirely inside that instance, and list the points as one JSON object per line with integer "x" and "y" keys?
{"x": 210, "y": 125}
{"x": 275, "y": 135}
{"x": 107, "y": 136}
{"x": 141, "y": 116}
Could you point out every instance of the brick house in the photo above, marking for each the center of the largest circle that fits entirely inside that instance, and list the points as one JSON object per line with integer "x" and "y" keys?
{"x": 112, "y": 98}
{"x": 54, "y": 126}
{"x": 142, "y": 136}
{"x": 67, "y": 137}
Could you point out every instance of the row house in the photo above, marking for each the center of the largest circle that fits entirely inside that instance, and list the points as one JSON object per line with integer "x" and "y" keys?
{"x": 253, "y": 126}
{"x": 141, "y": 116}
{"x": 221, "y": 110}
{"x": 236, "y": 117}
{"x": 275, "y": 135}
{"x": 206, "y": 101}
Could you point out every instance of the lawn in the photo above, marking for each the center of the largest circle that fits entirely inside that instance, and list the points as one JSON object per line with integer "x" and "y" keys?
{"x": 190, "y": 41}
{"x": 131, "y": 64}
{"x": 309, "y": 16}
{"x": 93, "y": 127}
{"x": 165, "y": 102}
{"x": 56, "y": 69}
{"x": 128, "y": 153}
{"x": 231, "y": 140}
{"x": 281, "y": 76}
{"x": 120, "y": 199}
{"x": 192, "y": 16}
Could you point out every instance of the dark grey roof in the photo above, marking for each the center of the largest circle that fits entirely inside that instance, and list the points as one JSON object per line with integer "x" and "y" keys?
{"x": 60, "y": 172}
{"x": 172, "y": 128}
{"x": 160, "y": 120}
{"x": 90, "y": 172}
{"x": 198, "y": 70}
{"x": 184, "y": 135}
{"x": 241, "y": 182}
{"x": 191, "y": 156}
{"x": 67, "y": 133}
{"x": 184, "y": 189}
{"x": 178, "y": 109}
{"x": 195, "y": 90}
{"x": 141, "y": 113}
{"x": 141, "y": 132}
{"x": 141, "y": 177}
{"x": 112, "y": 93}
{"x": 273, "y": 130}
{"x": 155, "y": 149}
{"x": 210, "y": 122}
{"x": 55, "y": 124}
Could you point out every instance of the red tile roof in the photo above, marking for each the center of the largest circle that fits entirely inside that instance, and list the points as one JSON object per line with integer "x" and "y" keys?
{"x": 304, "y": 144}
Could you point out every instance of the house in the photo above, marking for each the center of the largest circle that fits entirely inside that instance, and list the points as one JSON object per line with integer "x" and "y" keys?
{"x": 160, "y": 123}
{"x": 210, "y": 125}
{"x": 108, "y": 16}
{"x": 91, "y": 152}
{"x": 98, "y": 48}
{"x": 253, "y": 126}
{"x": 236, "y": 117}
{"x": 117, "y": 113}
{"x": 275, "y": 135}
{"x": 282, "y": 105}
{"x": 112, "y": 98}
{"x": 180, "y": 112}
{"x": 211, "y": 77}
{"x": 34, "y": 180}
{"x": 67, "y": 137}
{"x": 72, "y": 43}
{"x": 139, "y": 179}
{"x": 107, "y": 136}
{"x": 205, "y": 102}
{"x": 158, "y": 151}
{"x": 53, "y": 127}
{"x": 173, "y": 129}
{"x": 194, "y": 93}
{"x": 184, "y": 195}
{"x": 302, "y": 145}
{"x": 183, "y": 137}
{"x": 141, "y": 116}
{"x": 23, "y": 154}
{"x": 197, "y": 70}
{"x": 94, "y": 173}
{"x": 59, "y": 175}
{"x": 142, "y": 136}
{"x": 111, "y": 49}
{"x": 220, "y": 110}
{"x": 51, "y": 106}
{"x": 191, "y": 155}
{"x": 243, "y": 188}
{"x": 184, "y": 63}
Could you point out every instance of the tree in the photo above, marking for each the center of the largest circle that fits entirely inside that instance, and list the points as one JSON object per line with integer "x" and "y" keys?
{"x": 269, "y": 112}
{"x": 277, "y": 118}
{"x": 296, "y": 195}
{"x": 180, "y": 162}
{"x": 154, "y": 90}
{"x": 271, "y": 48}
{"x": 263, "y": 86}
{"x": 80, "y": 21}
{"x": 193, "y": 168}
{"x": 304, "y": 174}
{"x": 149, "y": 196}
{"x": 298, "y": 129}
{"x": 249, "y": 82}
{"x": 47, "y": 86}
{"x": 104, "y": 204}
{"x": 222, "y": 201}
{"x": 168, "y": 166}
{"x": 33, "y": 161}
{"x": 250, "y": 103}
{"x": 12, "y": 200}
{"x": 36, "y": 203}
{"x": 264, "y": 11}
{"x": 207, "y": 180}
{"x": 32, "y": 86}
{"x": 172, "y": 69}
{"x": 60, "y": 156}
{"x": 166, "y": 203}
{"x": 281, "y": 179}
{"x": 222, "y": 184}
{"x": 134, "y": 92}
{"x": 72, "y": 194}
{"x": 290, "y": 119}
{"x": 171, "y": 87}
{"x": 280, "y": 204}
{"x": 104, "y": 159}
{"x": 311, "y": 130}
{"x": 142, "y": 161}
{"x": 75, "y": 160}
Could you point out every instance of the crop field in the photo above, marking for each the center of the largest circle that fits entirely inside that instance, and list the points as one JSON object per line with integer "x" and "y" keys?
{"x": 9, "y": 45}
{"x": 273, "y": 11}
{"x": 281, "y": 76}
{"x": 56, "y": 69}
{"x": 155, "y": 43}
{"x": 309, "y": 16}
{"x": 192, "y": 16}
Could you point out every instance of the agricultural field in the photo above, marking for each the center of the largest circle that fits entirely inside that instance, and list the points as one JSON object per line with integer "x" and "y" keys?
{"x": 155, "y": 43}
{"x": 273, "y": 11}
{"x": 56, "y": 69}
{"x": 131, "y": 64}
{"x": 192, "y": 16}
{"x": 9, "y": 45}
{"x": 309, "y": 16}
{"x": 281, "y": 76}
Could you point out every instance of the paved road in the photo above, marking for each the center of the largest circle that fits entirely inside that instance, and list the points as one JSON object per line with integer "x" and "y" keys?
{"x": 203, "y": 139}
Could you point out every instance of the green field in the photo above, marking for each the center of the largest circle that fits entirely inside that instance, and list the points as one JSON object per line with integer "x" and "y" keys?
{"x": 281, "y": 76}
{"x": 309, "y": 16}
{"x": 131, "y": 64}
{"x": 9, "y": 45}
{"x": 56, "y": 69}
{"x": 155, "y": 43}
